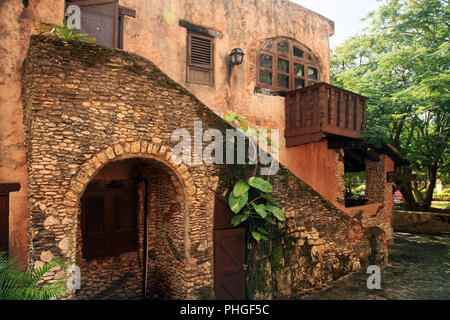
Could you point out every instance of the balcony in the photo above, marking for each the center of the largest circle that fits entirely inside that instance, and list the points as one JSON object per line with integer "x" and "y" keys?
{"x": 323, "y": 110}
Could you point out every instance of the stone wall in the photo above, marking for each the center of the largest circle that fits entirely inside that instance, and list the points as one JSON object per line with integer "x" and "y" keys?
{"x": 16, "y": 26}
{"x": 86, "y": 106}
{"x": 421, "y": 222}
{"x": 317, "y": 244}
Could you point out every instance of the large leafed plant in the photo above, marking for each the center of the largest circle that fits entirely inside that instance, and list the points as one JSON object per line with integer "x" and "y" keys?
{"x": 250, "y": 199}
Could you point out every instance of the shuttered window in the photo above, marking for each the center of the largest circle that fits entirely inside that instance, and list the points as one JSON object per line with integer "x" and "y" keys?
{"x": 108, "y": 222}
{"x": 200, "y": 59}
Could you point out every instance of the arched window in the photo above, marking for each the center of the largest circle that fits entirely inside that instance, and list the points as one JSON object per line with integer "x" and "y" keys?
{"x": 285, "y": 64}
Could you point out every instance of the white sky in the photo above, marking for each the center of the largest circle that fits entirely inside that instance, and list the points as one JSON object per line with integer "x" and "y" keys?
{"x": 346, "y": 15}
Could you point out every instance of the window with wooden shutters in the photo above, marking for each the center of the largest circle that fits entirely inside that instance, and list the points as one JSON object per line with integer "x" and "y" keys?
{"x": 200, "y": 59}
{"x": 109, "y": 220}
{"x": 285, "y": 65}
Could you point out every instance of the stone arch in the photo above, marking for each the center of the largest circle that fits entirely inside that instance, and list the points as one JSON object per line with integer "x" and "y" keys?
{"x": 136, "y": 149}
{"x": 143, "y": 150}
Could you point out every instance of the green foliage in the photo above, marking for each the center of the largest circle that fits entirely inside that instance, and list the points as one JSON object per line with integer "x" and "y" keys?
{"x": 251, "y": 200}
{"x": 402, "y": 64}
{"x": 354, "y": 184}
{"x": 24, "y": 285}
{"x": 63, "y": 31}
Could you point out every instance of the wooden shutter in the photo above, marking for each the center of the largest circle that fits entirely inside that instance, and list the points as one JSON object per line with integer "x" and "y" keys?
{"x": 124, "y": 234}
{"x": 109, "y": 222}
{"x": 200, "y": 59}
{"x": 96, "y": 242}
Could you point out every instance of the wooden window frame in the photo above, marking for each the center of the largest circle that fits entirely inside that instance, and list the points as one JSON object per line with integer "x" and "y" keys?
{"x": 201, "y": 67}
{"x": 109, "y": 233}
{"x": 275, "y": 54}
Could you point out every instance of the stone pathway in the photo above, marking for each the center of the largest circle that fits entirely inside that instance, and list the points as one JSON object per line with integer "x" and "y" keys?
{"x": 416, "y": 272}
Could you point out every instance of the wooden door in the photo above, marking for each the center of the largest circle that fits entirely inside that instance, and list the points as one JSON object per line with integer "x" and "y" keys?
{"x": 4, "y": 221}
{"x": 100, "y": 18}
{"x": 5, "y": 189}
{"x": 229, "y": 255}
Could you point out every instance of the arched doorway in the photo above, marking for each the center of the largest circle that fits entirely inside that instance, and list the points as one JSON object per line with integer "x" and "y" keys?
{"x": 131, "y": 232}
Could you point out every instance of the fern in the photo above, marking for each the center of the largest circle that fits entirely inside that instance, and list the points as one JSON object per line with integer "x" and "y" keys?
{"x": 24, "y": 285}
{"x": 64, "y": 32}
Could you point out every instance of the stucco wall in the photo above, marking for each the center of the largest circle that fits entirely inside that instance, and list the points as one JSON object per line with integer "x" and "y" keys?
{"x": 156, "y": 34}
{"x": 16, "y": 26}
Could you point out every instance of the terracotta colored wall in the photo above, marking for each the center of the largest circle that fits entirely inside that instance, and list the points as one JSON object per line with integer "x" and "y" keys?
{"x": 315, "y": 164}
{"x": 156, "y": 35}
{"x": 16, "y": 25}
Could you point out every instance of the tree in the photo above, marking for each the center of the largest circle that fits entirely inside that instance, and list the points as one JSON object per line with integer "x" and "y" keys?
{"x": 402, "y": 64}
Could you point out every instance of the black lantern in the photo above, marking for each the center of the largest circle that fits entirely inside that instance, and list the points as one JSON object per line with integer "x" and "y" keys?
{"x": 25, "y": 3}
{"x": 236, "y": 56}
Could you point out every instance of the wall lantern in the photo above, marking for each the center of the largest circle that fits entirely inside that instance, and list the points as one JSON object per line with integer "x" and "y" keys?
{"x": 236, "y": 58}
{"x": 25, "y": 3}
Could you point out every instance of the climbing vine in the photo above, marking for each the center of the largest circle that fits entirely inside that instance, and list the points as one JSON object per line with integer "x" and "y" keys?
{"x": 250, "y": 199}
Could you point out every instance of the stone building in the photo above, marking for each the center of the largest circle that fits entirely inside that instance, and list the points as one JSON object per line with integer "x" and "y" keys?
{"x": 86, "y": 164}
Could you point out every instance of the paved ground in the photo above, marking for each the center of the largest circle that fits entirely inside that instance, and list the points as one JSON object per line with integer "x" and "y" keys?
{"x": 416, "y": 272}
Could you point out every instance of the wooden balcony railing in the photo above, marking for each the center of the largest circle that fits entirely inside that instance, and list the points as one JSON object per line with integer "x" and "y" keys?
{"x": 322, "y": 109}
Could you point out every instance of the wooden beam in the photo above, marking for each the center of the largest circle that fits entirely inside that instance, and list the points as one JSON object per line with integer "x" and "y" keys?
{"x": 355, "y": 156}
{"x": 127, "y": 12}
{"x": 9, "y": 187}
{"x": 86, "y": 3}
{"x": 334, "y": 143}
{"x": 303, "y": 139}
{"x": 199, "y": 29}
{"x": 372, "y": 155}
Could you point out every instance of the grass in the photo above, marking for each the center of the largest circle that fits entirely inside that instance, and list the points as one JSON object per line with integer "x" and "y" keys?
{"x": 440, "y": 204}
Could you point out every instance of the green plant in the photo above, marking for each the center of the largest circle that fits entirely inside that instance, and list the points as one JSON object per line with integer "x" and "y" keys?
{"x": 16, "y": 284}
{"x": 250, "y": 200}
{"x": 64, "y": 32}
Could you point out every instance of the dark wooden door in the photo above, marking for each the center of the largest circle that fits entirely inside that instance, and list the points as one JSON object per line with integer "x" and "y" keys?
{"x": 99, "y": 19}
{"x": 229, "y": 255}
{"x": 5, "y": 189}
{"x": 229, "y": 264}
{"x": 4, "y": 222}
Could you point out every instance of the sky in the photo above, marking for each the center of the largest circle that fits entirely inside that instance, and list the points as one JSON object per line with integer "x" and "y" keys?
{"x": 346, "y": 15}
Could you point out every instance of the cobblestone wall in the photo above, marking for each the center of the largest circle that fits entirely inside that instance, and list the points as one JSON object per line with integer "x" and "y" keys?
{"x": 86, "y": 106}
